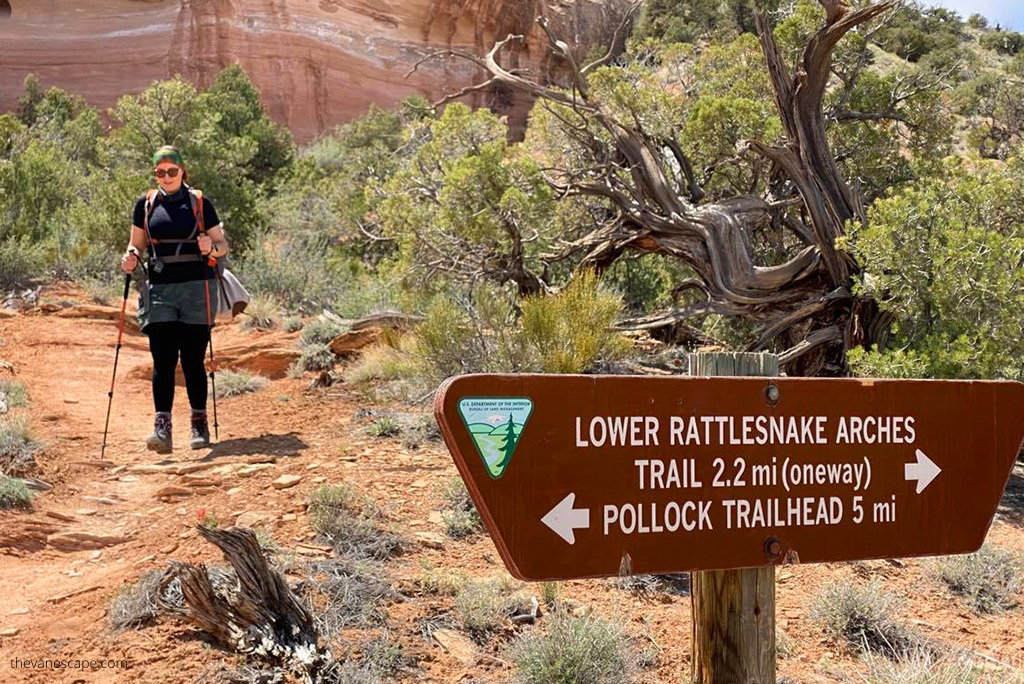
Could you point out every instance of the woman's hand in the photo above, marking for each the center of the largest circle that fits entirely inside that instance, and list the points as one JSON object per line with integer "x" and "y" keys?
{"x": 129, "y": 261}
{"x": 205, "y": 245}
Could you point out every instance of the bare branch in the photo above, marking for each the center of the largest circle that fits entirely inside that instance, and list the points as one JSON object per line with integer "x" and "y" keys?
{"x": 618, "y": 40}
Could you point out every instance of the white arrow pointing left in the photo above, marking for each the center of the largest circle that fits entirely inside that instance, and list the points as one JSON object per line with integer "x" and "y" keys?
{"x": 924, "y": 471}
{"x": 565, "y": 520}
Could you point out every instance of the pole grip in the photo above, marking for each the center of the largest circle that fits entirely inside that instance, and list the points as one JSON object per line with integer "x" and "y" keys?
{"x": 127, "y": 284}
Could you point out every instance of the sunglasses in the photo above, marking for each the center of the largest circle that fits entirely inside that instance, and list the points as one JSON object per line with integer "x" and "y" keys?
{"x": 170, "y": 173}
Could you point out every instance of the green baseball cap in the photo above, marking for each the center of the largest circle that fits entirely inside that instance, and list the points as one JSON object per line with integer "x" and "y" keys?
{"x": 168, "y": 153}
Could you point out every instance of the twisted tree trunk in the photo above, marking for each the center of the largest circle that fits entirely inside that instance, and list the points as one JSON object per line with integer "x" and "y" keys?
{"x": 805, "y": 305}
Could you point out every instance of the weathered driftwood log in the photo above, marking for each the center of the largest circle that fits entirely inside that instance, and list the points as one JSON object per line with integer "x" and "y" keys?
{"x": 260, "y": 616}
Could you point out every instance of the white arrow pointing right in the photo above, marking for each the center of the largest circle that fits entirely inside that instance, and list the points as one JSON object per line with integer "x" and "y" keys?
{"x": 564, "y": 519}
{"x": 924, "y": 471}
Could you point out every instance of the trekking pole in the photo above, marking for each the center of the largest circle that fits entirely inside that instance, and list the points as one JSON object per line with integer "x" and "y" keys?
{"x": 117, "y": 354}
{"x": 213, "y": 364}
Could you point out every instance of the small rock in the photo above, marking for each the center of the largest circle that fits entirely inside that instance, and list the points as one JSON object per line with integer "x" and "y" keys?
{"x": 252, "y": 518}
{"x": 288, "y": 517}
{"x": 20, "y": 611}
{"x": 251, "y": 469}
{"x": 320, "y": 479}
{"x": 169, "y": 549}
{"x": 95, "y": 555}
{"x": 9, "y": 632}
{"x": 457, "y": 645}
{"x": 57, "y": 515}
{"x": 233, "y": 491}
{"x": 431, "y": 540}
{"x": 127, "y": 478}
{"x": 181, "y": 510}
{"x": 436, "y": 518}
{"x": 81, "y": 541}
{"x": 105, "y": 500}
{"x": 86, "y": 511}
{"x": 312, "y": 466}
{"x": 172, "y": 492}
{"x": 286, "y": 481}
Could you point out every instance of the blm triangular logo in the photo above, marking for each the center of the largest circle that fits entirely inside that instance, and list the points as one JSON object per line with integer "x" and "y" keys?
{"x": 496, "y": 425}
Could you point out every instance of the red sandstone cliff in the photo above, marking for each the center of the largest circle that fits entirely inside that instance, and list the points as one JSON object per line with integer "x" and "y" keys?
{"x": 318, "y": 63}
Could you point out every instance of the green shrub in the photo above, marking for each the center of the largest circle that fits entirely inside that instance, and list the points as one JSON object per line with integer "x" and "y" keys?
{"x": 1003, "y": 42}
{"x": 441, "y": 581}
{"x": 263, "y": 313}
{"x": 447, "y": 343}
{"x": 352, "y": 523}
{"x": 461, "y": 519}
{"x": 232, "y": 383}
{"x": 14, "y": 493}
{"x": 292, "y": 324}
{"x": 576, "y": 650}
{"x": 17, "y": 449}
{"x": 21, "y": 261}
{"x": 301, "y": 273}
{"x": 13, "y": 393}
{"x": 569, "y": 332}
{"x": 864, "y": 616}
{"x": 384, "y": 362}
{"x": 320, "y": 331}
{"x": 990, "y": 580}
{"x": 977, "y": 21}
{"x": 550, "y": 592}
{"x": 316, "y": 357}
{"x": 385, "y": 426}
{"x": 484, "y": 607}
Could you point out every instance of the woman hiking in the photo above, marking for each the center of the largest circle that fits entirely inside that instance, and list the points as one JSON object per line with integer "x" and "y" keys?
{"x": 182, "y": 236}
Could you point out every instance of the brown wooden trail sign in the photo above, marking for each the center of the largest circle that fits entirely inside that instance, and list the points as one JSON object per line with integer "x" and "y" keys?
{"x": 580, "y": 476}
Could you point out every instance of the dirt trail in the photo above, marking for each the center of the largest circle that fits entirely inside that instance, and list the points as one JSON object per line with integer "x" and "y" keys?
{"x": 65, "y": 587}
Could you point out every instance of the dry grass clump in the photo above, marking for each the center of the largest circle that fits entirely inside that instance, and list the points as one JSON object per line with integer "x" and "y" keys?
{"x": 352, "y": 523}
{"x": 990, "y": 581}
{"x": 864, "y": 616}
{"x": 581, "y": 650}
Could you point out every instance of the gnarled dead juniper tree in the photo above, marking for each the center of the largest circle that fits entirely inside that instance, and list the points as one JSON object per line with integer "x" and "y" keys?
{"x": 804, "y": 305}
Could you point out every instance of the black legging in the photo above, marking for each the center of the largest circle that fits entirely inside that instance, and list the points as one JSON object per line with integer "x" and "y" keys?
{"x": 166, "y": 341}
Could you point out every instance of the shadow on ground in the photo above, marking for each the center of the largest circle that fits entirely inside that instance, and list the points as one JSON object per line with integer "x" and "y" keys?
{"x": 1011, "y": 507}
{"x": 265, "y": 445}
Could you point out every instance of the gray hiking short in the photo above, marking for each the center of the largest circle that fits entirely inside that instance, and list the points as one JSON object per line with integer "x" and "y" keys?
{"x": 170, "y": 302}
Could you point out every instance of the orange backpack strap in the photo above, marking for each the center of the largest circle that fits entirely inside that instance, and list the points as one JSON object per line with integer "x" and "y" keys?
{"x": 150, "y": 198}
{"x": 197, "y": 210}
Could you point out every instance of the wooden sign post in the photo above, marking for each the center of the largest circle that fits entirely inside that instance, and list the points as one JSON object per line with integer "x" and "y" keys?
{"x": 733, "y": 611}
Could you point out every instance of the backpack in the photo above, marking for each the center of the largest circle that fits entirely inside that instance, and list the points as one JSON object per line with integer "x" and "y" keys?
{"x": 232, "y": 297}
{"x": 196, "y": 198}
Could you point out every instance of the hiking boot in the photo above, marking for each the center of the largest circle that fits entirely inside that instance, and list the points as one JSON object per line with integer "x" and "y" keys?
{"x": 160, "y": 440}
{"x": 200, "y": 431}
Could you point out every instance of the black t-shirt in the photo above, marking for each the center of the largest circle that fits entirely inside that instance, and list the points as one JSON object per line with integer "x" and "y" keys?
{"x": 173, "y": 219}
